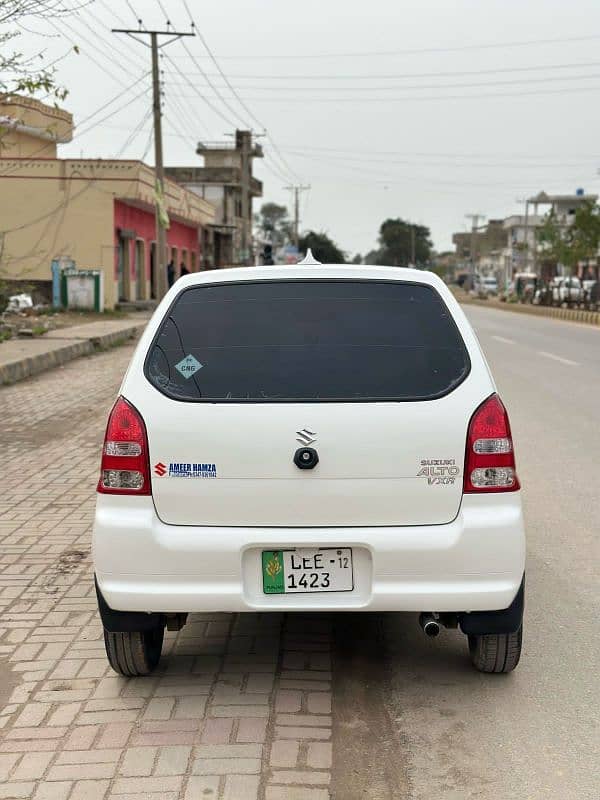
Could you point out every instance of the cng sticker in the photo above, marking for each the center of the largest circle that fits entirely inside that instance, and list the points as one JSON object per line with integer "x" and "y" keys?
{"x": 188, "y": 366}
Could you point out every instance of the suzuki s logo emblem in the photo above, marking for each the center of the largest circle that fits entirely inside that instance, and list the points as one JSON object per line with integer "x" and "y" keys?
{"x": 306, "y": 437}
{"x": 160, "y": 469}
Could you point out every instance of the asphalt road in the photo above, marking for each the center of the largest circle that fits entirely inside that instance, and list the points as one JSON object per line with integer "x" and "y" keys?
{"x": 452, "y": 733}
{"x": 240, "y": 708}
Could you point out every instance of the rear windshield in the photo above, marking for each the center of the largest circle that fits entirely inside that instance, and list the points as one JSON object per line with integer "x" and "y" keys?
{"x": 303, "y": 341}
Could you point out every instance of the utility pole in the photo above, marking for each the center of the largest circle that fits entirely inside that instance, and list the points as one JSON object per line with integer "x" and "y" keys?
{"x": 413, "y": 255}
{"x": 244, "y": 144}
{"x": 159, "y": 267}
{"x": 296, "y": 190}
{"x": 474, "y": 225}
{"x": 526, "y": 237}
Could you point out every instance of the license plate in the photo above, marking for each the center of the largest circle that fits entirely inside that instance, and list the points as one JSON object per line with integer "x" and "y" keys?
{"x": 307, "y": 569}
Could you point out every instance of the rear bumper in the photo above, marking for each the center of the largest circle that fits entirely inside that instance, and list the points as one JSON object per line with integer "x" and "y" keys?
{"x": 475, "y": 563}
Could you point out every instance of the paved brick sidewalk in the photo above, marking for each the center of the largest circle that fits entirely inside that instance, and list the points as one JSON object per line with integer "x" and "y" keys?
{"x": 240, "y": 707}
{"x": 22, "y": 358}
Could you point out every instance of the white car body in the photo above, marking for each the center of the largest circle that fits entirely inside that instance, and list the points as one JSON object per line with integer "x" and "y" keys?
{"x": 417, "y": 544}
{"x": 567, "y": 290}
{"x": 485, "y": 284}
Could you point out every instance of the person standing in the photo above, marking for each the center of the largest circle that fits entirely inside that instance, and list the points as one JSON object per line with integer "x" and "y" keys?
{"x": 170, "y": 273}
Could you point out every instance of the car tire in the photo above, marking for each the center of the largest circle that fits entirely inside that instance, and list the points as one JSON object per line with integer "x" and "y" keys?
{"x": 496, "y": 652}
{"x": 136, "y": 653}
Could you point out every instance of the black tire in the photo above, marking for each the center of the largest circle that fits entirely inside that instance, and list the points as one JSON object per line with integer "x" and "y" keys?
{"x": 496, "y": 652}
{"x": 134, "y": 654}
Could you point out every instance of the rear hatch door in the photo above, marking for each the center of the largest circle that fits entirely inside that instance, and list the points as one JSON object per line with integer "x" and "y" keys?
{"x": 371, "y": 374}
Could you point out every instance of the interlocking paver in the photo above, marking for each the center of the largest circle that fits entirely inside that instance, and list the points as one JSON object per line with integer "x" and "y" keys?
{"x": 138, "y": 761}
{"x": 284, "y": 753}
{"x": 319, "y": 755}
{"x": 239, "y": 707}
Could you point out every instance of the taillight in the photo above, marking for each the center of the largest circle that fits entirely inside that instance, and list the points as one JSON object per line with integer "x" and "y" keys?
{"x": 125, "y": 467}
{"x": 490, "y": 458}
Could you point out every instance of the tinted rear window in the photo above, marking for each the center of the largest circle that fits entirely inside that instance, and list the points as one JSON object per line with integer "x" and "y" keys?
{"x": 303, "y": 341}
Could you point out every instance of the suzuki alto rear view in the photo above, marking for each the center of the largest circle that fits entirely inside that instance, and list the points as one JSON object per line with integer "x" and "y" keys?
{"x": 309, "y": 438}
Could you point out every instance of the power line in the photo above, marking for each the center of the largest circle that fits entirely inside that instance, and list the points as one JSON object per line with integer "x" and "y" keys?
{"x": 407, "y": 75}
{"x": 216, "y": 90}
{"x": 413, "y": 98}
{"x": 370, "y": 151}
{"x": 184, "y": 113}
{"x": 134, "y": 12}
{"x": 30, "y": 159}
{"x": 199, "y": 94}
{"x": 411, "y": 51}
{"x": 201, "y": 70}
{"x": 126, "y": 104}
{"x": 420, "y": 87}
{"x": 240, "y": 100}
{"x": 159, "y": 264}
{"x": 383, "y": 159}
{"x": 126, "y": 55}
{"x": 221, "y": 73}
{"x": 84, "y": 52}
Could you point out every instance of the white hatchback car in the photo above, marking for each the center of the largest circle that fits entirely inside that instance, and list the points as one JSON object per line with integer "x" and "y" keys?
{"x": 309, "y": 438}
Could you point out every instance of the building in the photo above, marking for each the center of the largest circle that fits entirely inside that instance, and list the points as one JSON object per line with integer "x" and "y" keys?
{"x": 563, "y": 207}
{"x": 225, "y": 180}
{"x": 481, "y": 246}
{"x": 99, "y": 212}
{"x": 521, "y": 244}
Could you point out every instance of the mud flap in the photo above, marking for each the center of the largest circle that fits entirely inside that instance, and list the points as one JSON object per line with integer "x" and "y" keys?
{"x": 508, "y": 620}
{"x": 126, "y": 621}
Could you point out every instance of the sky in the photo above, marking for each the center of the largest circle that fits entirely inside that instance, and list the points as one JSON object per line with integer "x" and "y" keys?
{"x": 427, "y": 110}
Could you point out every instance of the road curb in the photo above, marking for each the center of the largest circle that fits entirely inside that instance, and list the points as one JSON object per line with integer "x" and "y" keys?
{"x": 19, "y": 369}
{"x": 567, "y": 314}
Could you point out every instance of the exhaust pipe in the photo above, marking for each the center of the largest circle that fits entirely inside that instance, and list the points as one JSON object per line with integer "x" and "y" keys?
{"x": 430, "y": 625}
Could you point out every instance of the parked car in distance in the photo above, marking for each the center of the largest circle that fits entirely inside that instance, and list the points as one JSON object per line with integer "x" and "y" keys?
{"x": 489, "y": 284}
{"x": 309, "y": 438}
{"x": 567, "y": 291}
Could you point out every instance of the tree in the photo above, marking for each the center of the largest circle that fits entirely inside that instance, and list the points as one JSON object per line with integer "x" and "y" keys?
{"x": 274, "y": 224}
{"x": 399, "y": 240}
{"x": 569, "y": 244}
{"x": 19, "y": 72}
{"x": 323, "y": 248}
{"x": 587, "y": 230}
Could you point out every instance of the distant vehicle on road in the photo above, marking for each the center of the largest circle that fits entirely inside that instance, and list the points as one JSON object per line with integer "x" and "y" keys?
{"x": 309, "y": 438}
{"x": 567, "y": 291}
{"x": 525, "y": 284}
{"x": 488, "y": 284}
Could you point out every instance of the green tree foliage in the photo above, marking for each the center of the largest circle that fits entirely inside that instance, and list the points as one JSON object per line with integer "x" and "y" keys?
{"x": 570, "y": 244}
{"x": 273, "y": 224}
{"x": 26, "y": 73}
{"x": 323, "y": 248}
{"x": 395, "y": 241}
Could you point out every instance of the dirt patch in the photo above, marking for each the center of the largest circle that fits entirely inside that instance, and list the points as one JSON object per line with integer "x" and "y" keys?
{"x": 34, "y": 322}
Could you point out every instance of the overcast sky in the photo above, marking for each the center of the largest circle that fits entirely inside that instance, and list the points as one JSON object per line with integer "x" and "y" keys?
{"x": 491, "y": 119}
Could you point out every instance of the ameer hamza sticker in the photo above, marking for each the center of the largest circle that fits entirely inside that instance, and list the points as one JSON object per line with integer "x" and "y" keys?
{"x": 179, "y": 470}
